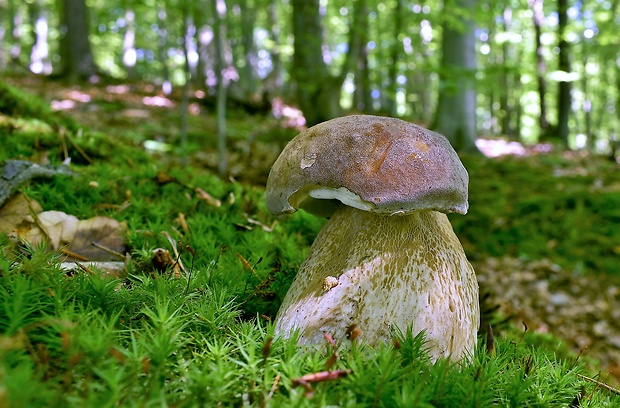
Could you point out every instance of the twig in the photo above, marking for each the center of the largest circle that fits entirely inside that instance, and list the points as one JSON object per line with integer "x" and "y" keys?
{"x": 191, "y": 269}
{"x": 78, "y": 148}
{"x": 490, "y": 340}
{"x": 85, "y": 268}
{"x": 108, "y": 250}
{"x": 306, "y": 380}
{"x": 274, "y": 386}
{"x": 600, "y": 384}
{"x": 73, "y": 255}
{"x": 65, "y": 151}
{"x": 177, "y": 255}
{"x": 14, "y": 173}
{"x": 38, "y": 221}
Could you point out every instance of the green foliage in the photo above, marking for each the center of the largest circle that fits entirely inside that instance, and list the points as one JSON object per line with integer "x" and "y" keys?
{"x": 203, "y": 339}
{"x": 544, "y": 207}
{"x": 15, "y": 103}
{"x": 150, "y": 343}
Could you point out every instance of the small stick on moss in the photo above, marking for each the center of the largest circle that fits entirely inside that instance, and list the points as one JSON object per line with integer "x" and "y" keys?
{"x": 214, "y": 263}
{"x": 61, "y": 136}
{"x": 36, "y": 218}
{"x": 191, "y": 268}
{"x": 108, "y": 250}
{"x": 274, "y": 386}
{"x": 78, "y": 148}
{"x": 74, "y": 255}
{"x": 600, "y": 384}
{"x": 490, "y": 340}
{"x": 85, "y": 268}
{"x": 306, "y": 380}
{"x": 179, "y": 263}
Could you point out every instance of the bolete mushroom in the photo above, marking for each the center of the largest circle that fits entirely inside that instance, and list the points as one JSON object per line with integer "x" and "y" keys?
{"x": 388, "y": 256}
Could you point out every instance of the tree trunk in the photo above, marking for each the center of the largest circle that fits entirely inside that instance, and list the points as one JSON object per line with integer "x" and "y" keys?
{"x": 318, "y": 94}
{"x": 362, "y": 99}
{"x": 274, "y": 82}
{"x": 456, "y": 111}
{"x": 248, "y": 76}
{"x": 162, "y": 46}
{"x": 77, "y": 59}
{"x": 395, "y": 51}
{"x": 39, "y": 55}
{"x": 3, "y": 40}
{"x": 564, "y": 97}
{"x": 507, "y": 79}
{"x": 219, "y": 30}
{"x": 129, "y": 43}
{"x": 541, "y": 66}
{"x": 15, "y": 22}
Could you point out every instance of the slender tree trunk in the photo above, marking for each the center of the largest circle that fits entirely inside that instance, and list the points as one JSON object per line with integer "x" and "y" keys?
{"x": 222, "y": 83}
{"x": 76, "y": 55}
{"x": 564, "y": 94}
{"x": 183, "y": 110}
{"x": 395, "y": 51}
{"x": 273, "y": 85}
{"x": 162, "y": 47}
{"x": 318, "y": 94}
{"x": 3, "y": 39}
{"x": 248, "y": 76}
{"x": 129, "y": 43}
{"x": 541, "y": 66}
{"x": 362, "y": 99}
{"x": 507, "y": 78}
{"x": 456, "y": 110}
{"x": 15, "y": 21}
{"x": 39, "y": 55}
{"x": 587, "y": 102}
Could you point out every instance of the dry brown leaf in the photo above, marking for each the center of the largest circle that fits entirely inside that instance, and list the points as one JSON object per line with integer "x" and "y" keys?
{"x": 106, "y": 231}
{"x": 15, "y": 212}
{"x": 59, "y": 227}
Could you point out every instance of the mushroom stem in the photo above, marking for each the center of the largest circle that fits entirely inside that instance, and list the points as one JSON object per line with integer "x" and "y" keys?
{"x": 392, "y": 271}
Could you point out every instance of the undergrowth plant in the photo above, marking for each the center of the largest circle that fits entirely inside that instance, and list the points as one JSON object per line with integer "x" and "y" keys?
{"x": 205, "y": 338}
{"x": 89, "y": 340}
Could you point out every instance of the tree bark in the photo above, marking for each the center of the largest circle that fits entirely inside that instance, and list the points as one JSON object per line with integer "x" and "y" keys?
{"x": 77, "y": 59}
{"x": 221, "y": 65}
{"x": 394, "y": 56}
{"x": 456, "y": 110}
{"x": 273, "y": 85}
{"x": 248, "y": 76}
{"x": 162, "y": 35}
{"x": 541, "y": 66}
{"x": 129, "y": 43}
{"x": 318, "y": 93}
{"x": 564, "y": 96}
{"x": 507, "y": 79}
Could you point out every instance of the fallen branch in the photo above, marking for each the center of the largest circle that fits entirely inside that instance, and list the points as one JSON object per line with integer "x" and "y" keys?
{"x": 322, "y": 376}
{"x": 600, "y": 384}
{"x": 14, "y": 173}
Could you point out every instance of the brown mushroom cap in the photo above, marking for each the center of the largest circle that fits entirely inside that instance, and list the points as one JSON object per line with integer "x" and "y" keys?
{"x": 378, "y": 164}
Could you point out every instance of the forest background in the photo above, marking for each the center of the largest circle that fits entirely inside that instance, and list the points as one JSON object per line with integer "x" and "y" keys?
{"x": 527, "y": 92}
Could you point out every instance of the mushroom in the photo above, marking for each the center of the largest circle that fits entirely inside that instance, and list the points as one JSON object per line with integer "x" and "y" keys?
{"x": 386, "y": 186}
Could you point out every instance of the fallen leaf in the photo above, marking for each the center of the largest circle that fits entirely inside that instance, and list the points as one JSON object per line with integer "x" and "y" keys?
{"x": 106, "y": 231}
{"x": 59, "y": 227}
{"x": 15, "y": 212}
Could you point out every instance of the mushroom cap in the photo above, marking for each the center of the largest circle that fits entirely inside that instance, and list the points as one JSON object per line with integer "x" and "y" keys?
{"x": 378, "y": 164}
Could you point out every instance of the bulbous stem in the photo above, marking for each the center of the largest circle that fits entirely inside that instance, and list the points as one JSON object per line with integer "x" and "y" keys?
{"x": 391, "y": 271}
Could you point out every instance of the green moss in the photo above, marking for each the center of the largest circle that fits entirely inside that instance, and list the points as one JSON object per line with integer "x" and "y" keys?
{"x": 200, "y": 340}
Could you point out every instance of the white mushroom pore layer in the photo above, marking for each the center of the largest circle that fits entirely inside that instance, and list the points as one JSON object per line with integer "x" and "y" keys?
{"x": 395, "y": 271}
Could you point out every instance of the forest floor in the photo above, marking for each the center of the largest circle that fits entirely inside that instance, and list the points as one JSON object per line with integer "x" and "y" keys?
{"x": 574, "y": 301}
